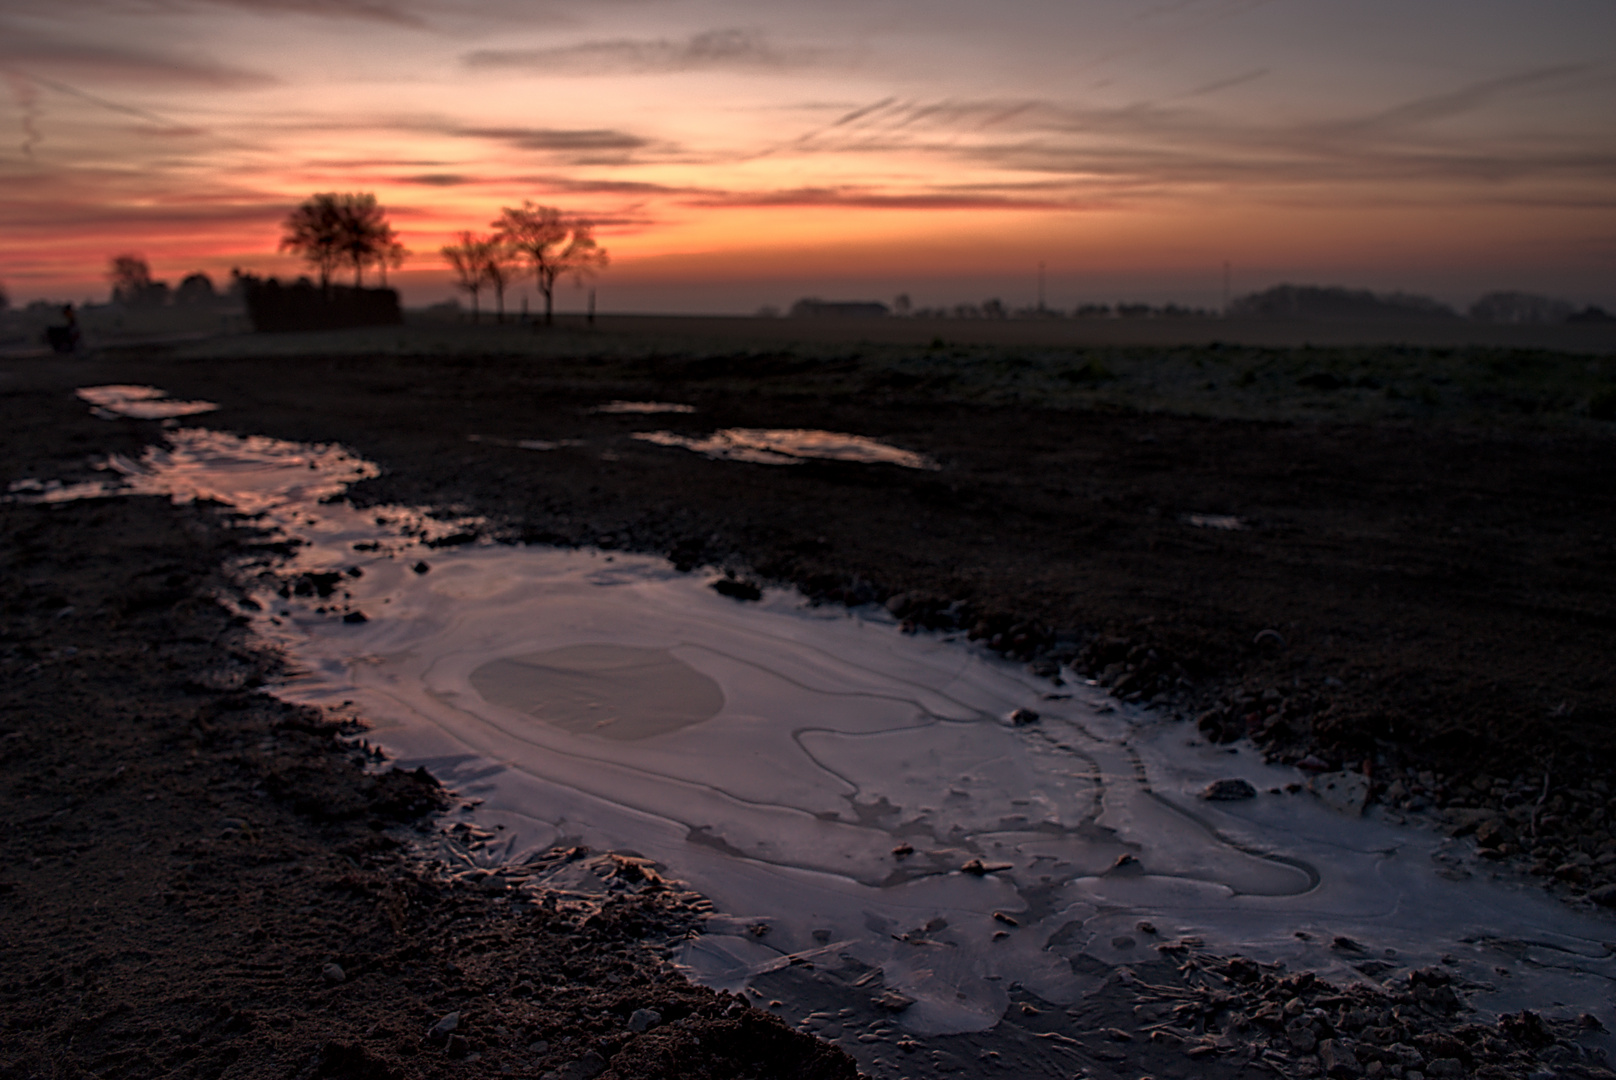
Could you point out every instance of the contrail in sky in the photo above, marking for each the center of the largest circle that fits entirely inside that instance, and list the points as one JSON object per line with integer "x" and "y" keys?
{"x": 28, "y": 101}
{"x": 127, "y": 110}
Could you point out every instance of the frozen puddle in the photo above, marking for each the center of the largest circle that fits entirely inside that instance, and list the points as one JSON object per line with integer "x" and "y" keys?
{"x": 642, "y": 408}
{"x": 779, "y": 446}
{"x": 139, "y": 403}
{"x": 858, "y": 791}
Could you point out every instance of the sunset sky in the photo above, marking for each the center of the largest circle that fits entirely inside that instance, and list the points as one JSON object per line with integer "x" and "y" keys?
{"x": 736, "y": 154}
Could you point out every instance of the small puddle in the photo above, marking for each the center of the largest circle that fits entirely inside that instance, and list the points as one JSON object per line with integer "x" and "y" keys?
{"x": 1215, "y": 521}
{"x": 139, "y": 403}
{"x": 643, "y": 408}
{"x": 525, "y": 444}
{"x": 858, "y": 792}
{"x": 790, "y": 446}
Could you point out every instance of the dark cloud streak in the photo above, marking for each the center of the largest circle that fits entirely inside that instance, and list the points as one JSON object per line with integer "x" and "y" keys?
{"x": 31, "y": 55}
{"x": 715, "y": 50}
{"x": 1468, "y": 99}
{"x": 866, "y": 198}
{"x": 364, "y": 10}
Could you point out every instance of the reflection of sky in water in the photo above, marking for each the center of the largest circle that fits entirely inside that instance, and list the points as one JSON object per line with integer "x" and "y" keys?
{"x": 775, "y": 755}
{"x": 139, "y": 403}
{"x": 642, "y": 407}
{"x": 777, "y": 446}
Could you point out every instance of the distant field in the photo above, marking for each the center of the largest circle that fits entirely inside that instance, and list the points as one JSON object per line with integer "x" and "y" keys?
{"x": 1044, "y": 364}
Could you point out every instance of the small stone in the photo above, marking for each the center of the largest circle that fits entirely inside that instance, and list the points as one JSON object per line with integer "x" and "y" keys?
{"x": 355, "y": 617}
{"x": 1146, "y": 927}
{"x": 445, "y": 1027}
{"x": 1302, "y": 1038}
{"x": 1463, "y": 820}
{"x": 903, "y": 851}
{"x": 1343, "y": 792}
{"x": 1008, "y": 920}
{"x": 1338, "y": 1060}
{"x": 1229, "y": 790}
{"x": 643, "y": 1020}
{"x": 1023, "y": 717}
{"x": 587, "y": 1067}
{"x": 333, "y": 974}
{"x": 892, "y": 1001}
{"x": 1605, "y": 895}
{"x": 736, "y": 590}
{"x": 1571, "y": 873}
{"x": 421, "y": 567}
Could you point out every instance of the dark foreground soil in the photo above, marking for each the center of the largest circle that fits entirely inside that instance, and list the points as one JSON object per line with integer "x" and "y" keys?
{"x": 186, "y": 857}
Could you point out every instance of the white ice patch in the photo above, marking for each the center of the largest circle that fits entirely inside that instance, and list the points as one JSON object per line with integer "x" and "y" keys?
{"x": 772, "y": 446}
{"x": 775, "y": 755}
{"x": 642, "y": 408}
{"x": 139, "y": 403}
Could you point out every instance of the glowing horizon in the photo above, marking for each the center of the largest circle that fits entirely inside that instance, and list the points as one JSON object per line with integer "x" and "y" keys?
{"x": 738, "y": 155}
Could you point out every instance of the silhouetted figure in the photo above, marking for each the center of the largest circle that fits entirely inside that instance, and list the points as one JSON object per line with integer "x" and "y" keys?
{"x": 64, "y": 339}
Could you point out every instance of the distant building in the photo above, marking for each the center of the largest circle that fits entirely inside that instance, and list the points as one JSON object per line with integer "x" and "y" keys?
{"x": 812, "y": 307}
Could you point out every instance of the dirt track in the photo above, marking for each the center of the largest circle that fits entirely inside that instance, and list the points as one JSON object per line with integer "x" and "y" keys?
{"x": 1441, "y": 598}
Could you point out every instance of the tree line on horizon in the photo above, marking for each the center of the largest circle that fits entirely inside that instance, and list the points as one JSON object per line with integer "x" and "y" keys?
{"x": 550, "y": 242}
{"x": 1324, "y": 302}
{"x": 332, "y": 231}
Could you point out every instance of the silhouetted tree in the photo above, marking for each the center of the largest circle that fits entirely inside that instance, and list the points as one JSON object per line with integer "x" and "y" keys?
{"x": 469, "y": 261}
{"x": 131, "y": 278}
{"x": 551, "y": 243}
{"x": 5, "y": 300}
{"x": 393, "y": 256}
{"x": 498, "y": 263}
{"x": 196, "y": 288}
{"x": 314, "y": 231}
{"x": 331, "y": 229}
{"x": 366, "y": 236}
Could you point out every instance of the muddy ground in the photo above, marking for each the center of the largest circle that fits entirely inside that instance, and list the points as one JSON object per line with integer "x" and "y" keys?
{"x": 1429, "y": 601}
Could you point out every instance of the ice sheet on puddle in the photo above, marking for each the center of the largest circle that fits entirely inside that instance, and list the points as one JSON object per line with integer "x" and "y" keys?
{"x": 789, "y": 750}
{"x": 139, "y": 402}
{"x": 779, "y": 446}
